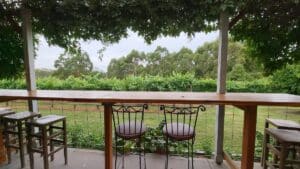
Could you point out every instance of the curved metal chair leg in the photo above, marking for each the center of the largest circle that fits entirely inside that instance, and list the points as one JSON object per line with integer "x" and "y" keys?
{"x": 167, "y": 154}
{"x": 116, "y": 152}
{"x": 145, "y": 167}
{"x": 123, "y": 155}
{"x": 193, "y": 154}
{"x": 140, "y": 152}
{"x": 188, "y": 154}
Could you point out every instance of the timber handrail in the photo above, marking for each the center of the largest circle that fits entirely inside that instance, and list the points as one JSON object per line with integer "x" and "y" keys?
{"x": 154, "y": 97}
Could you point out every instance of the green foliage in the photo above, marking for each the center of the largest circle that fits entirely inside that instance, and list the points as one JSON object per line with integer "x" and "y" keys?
{"x": 155, "y": 142}
{"x": 287, "y": 79}
{"x": 258, "y": 143}
{"x": 13, "y": 84}
{"x": 73, "y": 62}
{"x": 271, "y": 30}
{"x": 207, "y": 147}
{"x": 154, "y": 139}
{"x": 11, "y": 52}
{"x": 41, "y": 73}
{"x": 202, "y": 63}
{"x": 239, "y": 73}
{"x": 177, "y": 82}
{"x": 79, "y": 138}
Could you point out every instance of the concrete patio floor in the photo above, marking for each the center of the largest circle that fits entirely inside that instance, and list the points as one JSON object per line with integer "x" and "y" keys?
{"x": 93, "y": 159}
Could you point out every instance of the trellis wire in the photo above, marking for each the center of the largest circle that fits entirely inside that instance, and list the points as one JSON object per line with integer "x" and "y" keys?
{"x": 93, "y": 116}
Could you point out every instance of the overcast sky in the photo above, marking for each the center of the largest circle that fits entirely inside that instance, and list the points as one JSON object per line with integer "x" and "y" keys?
{"x": 46, "y": 55}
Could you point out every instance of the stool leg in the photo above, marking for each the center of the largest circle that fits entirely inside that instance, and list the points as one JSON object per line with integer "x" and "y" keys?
{"x": 65, "y": 141}
{"x": 283, "y": 155}
{"x": 21, "y": 145}
{"x": 45, "y": 147}
{"x": 8, "y": 151}
{"x": 140, "y": 152}
{"x": 51, "y": 142}
{"x": 29, "y": 146}
{"x": 265, "y": 150}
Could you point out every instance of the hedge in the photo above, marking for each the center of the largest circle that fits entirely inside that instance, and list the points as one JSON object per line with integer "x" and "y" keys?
{"x": 177, "y": 82}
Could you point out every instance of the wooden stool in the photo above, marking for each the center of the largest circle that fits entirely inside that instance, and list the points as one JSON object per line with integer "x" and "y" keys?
{"x": 286, "y": 139}
{"x": 280, "y": 124}
{"x": 3, "y": 112}
{"x": 13, "y": 125}
{"x": 49, "y": 134}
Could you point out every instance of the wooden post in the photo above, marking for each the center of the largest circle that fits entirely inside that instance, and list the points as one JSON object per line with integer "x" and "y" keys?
{"x": 108, "y": 135}
{"x": 221, "y": 85}
{"x": 2, "y": 149}
{"x": 29, "y": 56}
{"x": 249, "y": 131}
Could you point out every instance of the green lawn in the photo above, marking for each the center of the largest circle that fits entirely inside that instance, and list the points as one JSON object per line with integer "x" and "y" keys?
{"x": 85, "y": 122}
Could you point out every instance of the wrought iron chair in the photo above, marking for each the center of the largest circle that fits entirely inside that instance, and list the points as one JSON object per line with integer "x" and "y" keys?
{"x": 180, "y": 123}
{"x": 129, "y": 125}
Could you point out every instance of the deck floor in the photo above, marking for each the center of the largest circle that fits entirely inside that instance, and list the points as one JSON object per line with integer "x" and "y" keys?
{"x": 92, "y": 159}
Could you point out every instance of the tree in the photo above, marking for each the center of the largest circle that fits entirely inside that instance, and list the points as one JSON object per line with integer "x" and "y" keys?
{"x": 271, "y": 31}
{"x": 63, "y": 23}
{"x": 11, "y": 53}
{"x": 41, "y": 73}
{"x": 287, "y": 79}
{"x": 132, "y": 64}
{"x": 73, "y": 62}
{"x": 156, "y": 63}
{"x": 202, "y": 63}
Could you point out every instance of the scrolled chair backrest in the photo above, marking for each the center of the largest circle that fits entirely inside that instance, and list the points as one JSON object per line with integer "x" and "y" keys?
{"x": 181, "y": 118}
{"x": 130, "y": 114}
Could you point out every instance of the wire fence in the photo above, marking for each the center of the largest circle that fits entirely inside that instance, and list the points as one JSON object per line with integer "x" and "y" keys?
{"x": 86, "y": 124}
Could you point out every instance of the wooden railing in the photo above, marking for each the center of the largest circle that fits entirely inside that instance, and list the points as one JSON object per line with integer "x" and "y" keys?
{"x": 248, "y": 102}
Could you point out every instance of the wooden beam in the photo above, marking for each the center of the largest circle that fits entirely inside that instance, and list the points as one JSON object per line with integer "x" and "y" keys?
{"x": 249, "y": 132}
{"x": 221, "y": 85}
{"x": 229, "y": 161}
{"x": 108, "y": 135}
{"x": 29, "y": 56}
{"x": 222, "y": 53}
{"x": 241, "y": 107}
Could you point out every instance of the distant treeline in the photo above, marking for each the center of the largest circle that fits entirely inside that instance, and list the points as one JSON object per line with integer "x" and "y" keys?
{"x": 202, "y": 63}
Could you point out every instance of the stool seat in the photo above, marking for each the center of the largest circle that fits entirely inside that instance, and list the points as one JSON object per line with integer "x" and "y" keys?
{"x": 4, "y": 109}
{"x": 179, "y": 131}
{"x": 284, "y": 124}
{"x": 6, "y": 112}
{"x": 285, "y": 136}
{"x": 47, "y": 120}
{"x": 130, "y": 130}
{"x": 22, "y": 116}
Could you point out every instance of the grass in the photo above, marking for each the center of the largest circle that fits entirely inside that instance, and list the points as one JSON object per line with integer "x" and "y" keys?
{"x": 87, "y": 119}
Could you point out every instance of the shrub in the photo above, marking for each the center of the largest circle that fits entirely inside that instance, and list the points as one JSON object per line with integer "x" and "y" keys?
{"x": 287, "y": 80}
